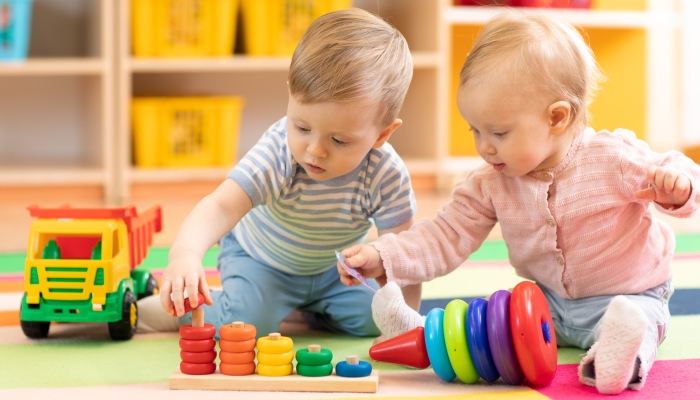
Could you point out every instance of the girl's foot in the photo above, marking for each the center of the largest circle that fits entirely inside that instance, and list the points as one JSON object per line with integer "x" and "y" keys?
{"x": 391, "y": 313}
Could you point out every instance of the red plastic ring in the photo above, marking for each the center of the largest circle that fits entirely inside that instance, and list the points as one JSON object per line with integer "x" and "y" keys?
{"x": 529, "y": 316}
{"x": 197, "y": 346}
{"x": 237, "y": 358}
{"x": 238, "y": 346}
{"x": 237, "y": 369}
{"x": 198, "y": 358}
{"x": 197, "y": 369}
{"x": 206, "y": 332}
{"x": 186, "y": 303}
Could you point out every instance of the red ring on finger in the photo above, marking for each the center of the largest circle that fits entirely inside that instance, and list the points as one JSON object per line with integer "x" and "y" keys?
{"x": 197, "y": 346}
{"x": 190, "y": 333}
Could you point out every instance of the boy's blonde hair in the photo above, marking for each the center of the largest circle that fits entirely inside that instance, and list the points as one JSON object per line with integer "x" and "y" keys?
{"x": 352, "y": 55}
{"x": 548, "y": 52}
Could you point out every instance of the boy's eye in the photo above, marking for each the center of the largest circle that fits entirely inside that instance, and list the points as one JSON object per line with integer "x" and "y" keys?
{"x": 339, "y": 142}
{"x": 303, "y": 129}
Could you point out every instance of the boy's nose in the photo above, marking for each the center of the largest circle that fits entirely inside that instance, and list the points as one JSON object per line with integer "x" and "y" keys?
{"x": 316, "y": 149}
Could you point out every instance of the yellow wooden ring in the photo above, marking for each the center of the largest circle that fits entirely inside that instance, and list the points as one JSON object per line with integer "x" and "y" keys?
{"x": 275, "y": 359}
{"x": 282, "y": 345}
{"x": 274, "y": 370}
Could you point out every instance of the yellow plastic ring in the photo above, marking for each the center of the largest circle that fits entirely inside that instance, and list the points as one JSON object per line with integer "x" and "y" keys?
{"x": 282, "y": 345}
{"x": 274, "y": 370}
{"x": 455, "y": 326}
{"x": 275, "y": 359}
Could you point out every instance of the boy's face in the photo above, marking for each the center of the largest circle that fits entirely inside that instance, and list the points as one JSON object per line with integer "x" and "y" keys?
{"x": 512, "y": 131}
{"x": 330, "y": 139}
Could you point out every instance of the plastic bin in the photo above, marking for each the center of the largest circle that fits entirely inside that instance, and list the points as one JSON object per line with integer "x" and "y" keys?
{"x": 183, "y": 28}
{"x": 274, "y": 27}
{"x": 186, "y": 131}
{"x": 15, "y": 24}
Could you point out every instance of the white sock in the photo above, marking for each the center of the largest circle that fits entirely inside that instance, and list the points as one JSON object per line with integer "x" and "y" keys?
{"x": 610, "y": 363}
{"x": 152, "y": 317}
{"x": 391, "y": 313}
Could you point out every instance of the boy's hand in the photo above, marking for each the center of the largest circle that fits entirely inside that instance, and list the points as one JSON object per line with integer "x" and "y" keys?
{"x": 667, "y": 186}
{"x": 183, "y": 273}
{"x": 366, "y": 260}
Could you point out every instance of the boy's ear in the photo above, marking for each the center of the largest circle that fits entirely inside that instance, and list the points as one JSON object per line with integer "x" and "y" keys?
{"x": 385, "y": 134}
{"x": 559, "y": 116}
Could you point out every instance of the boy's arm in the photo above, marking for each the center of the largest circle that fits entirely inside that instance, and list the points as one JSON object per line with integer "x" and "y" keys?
{"x": 214, "y": 216}
{"x": 411, "y": 293}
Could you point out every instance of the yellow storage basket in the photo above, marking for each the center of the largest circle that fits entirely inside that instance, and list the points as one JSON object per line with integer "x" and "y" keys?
{"x": 183, "y": 28}
{"x": 274, "y": 27}
{"x": 186, "y": 131}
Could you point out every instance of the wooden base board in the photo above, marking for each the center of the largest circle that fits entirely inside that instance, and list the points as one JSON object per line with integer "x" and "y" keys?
{"x": 289, "y": 383}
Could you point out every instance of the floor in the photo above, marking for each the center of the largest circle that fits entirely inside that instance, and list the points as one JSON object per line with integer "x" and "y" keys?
{"x": 15, "y": 220}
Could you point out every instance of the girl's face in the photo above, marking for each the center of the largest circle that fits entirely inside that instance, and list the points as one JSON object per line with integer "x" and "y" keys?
{"x": 330, "y": 139}
{"x": 515, "y": 133}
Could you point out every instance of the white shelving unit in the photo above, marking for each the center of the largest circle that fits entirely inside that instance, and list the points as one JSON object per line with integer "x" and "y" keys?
{"x": 262, "y": 82}
{"x": 56, "y": 107}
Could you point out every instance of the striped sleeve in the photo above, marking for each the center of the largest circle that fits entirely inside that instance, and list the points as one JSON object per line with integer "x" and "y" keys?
{"x": 391, "y": 196}
{"x": 263, "y": 171}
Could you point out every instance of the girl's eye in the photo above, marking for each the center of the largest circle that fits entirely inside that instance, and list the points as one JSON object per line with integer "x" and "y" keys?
{"x": 499, "y": 134}
{"x": 339, "y": 142}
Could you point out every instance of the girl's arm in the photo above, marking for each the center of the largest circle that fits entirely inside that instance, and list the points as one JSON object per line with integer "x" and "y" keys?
{"x": 214, "y": 216}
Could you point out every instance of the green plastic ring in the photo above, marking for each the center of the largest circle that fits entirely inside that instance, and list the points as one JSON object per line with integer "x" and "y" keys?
{"x": 307, "y": 358}
{"x": 315, "y": 370}
{"x": 455, "y": 326}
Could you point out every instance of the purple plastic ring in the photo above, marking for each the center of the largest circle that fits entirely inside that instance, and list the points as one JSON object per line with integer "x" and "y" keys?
{"x": 500, "y": 338}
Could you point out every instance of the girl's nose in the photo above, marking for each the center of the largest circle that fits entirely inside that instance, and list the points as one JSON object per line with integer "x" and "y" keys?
{"x": 485, "y": 147}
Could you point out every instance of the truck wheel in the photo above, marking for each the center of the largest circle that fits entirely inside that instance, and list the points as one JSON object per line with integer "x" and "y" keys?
{"x": 151, "y": 288}
{"x": 124, "y": 328}
{"x": 35, "y": 330}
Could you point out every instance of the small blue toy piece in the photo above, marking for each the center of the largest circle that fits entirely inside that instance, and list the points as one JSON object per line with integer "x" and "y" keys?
{"x": 353, "y": 368}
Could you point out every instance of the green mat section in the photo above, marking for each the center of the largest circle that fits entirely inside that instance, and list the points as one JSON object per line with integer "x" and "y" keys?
{"x": 94, "y": 363}
{"x": 491, "y": 250}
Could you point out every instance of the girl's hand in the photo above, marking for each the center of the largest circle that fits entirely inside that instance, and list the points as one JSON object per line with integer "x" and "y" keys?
{"x": 666, "y": 187}
{"x": 183, "y": 273}
{"x": 366, "y": 260}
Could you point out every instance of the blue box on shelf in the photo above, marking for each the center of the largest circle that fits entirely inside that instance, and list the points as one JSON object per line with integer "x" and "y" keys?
{"x": 15, "y": 23}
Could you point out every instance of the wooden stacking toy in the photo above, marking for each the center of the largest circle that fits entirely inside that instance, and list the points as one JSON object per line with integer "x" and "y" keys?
{"x": 275, "y": 355}
{"x": 197, "y": 342}
{"x": 314, "y": 361}
{"x": 509, "y": 336}
{"x": 237, "y": 346}
{"x": 352, "y": 367}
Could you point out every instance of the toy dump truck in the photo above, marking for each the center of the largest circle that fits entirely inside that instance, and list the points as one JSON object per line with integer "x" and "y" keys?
{"x": 81, "y": 267}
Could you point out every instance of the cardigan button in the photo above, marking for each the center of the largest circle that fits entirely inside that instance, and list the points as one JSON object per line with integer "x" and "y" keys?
{"x": 560, "y": 260}
{"x": 552, "y": 222}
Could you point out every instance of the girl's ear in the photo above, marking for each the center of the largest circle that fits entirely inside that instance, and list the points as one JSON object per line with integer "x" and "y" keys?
{"x": 559, "y": 116}
{"x": 385, "y": 134}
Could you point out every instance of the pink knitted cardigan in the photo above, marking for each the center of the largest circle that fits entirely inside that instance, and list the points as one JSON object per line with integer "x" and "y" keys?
{"x": 575, "y": 228}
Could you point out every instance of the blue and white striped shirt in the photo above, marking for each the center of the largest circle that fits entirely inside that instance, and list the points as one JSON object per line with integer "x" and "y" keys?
{"x": 296, "y": 222}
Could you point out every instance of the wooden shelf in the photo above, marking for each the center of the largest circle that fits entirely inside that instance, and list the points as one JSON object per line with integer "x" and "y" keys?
{"x": 154, "y": 175}
{"x": 239, "y": 63}
{"x": 468, "y": 15}
{"x": 51, "y": 176}
{"x": 54, "y": 66}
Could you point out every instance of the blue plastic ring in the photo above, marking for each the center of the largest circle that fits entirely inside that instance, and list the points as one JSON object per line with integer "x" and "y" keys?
{"x": 435, "y": 344}
{"x": 353, "y": 370}
{"x": 478, "y": 340}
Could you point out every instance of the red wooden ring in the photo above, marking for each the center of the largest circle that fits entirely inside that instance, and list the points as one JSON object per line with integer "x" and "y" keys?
{"x": 197, "y": 346}
{"x": 228, "y": 332}
{"x": 197, "y": 369}
{"x": 236, "y": 358}
{"x": 198, "y": 358}
{"x": 529, "y": 315}
{"x": 237, "y": 346}
{"x": 237, "y": 369}
{"x": 206, "y": 332}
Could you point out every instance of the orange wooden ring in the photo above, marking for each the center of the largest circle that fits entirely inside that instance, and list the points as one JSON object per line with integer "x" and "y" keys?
{"x": 237, "y": 347}
{"x": 197, "y": 346}
{"x": 237, "y": 369}
{"x": 198, "y": 358}
{"x": 197, "y": 369}
{"x": 236, "y": 358}
{"x": 229, "y": 332}
{"x": 206, "y": 332}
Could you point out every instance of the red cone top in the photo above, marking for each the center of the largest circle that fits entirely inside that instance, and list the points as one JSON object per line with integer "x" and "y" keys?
{"x": 406, "y": 349}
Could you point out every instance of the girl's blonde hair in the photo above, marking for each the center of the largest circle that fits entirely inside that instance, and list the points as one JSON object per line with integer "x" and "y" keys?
{"x": 352, "y": 55}
{"x": 548, "y": 52}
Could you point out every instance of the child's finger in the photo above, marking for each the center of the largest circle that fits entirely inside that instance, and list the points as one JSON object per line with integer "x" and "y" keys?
{"x": 646, "y": 194}
{"x": 670, "y": 180}
{"x": 681, "y": 186}
{"x": 660, "y": 177}
{"x": 192, "y": 284}
{"x": 356, "y": 257}
{"x": 165, "y": 301}
{"x": 178, "y": 296}
{"x": 204, "y": 289}
{"x": 651, "y": 173}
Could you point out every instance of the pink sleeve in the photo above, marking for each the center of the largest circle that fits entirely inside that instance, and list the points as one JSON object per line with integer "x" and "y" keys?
{"x": 636, "y": 157}
{"x": 436, "y": 247}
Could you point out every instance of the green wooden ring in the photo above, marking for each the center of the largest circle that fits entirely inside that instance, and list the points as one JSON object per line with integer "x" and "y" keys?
{"x": 315, "y": 370}
{"x": 307, "y": 358}
{"x": 455, "y": 326}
